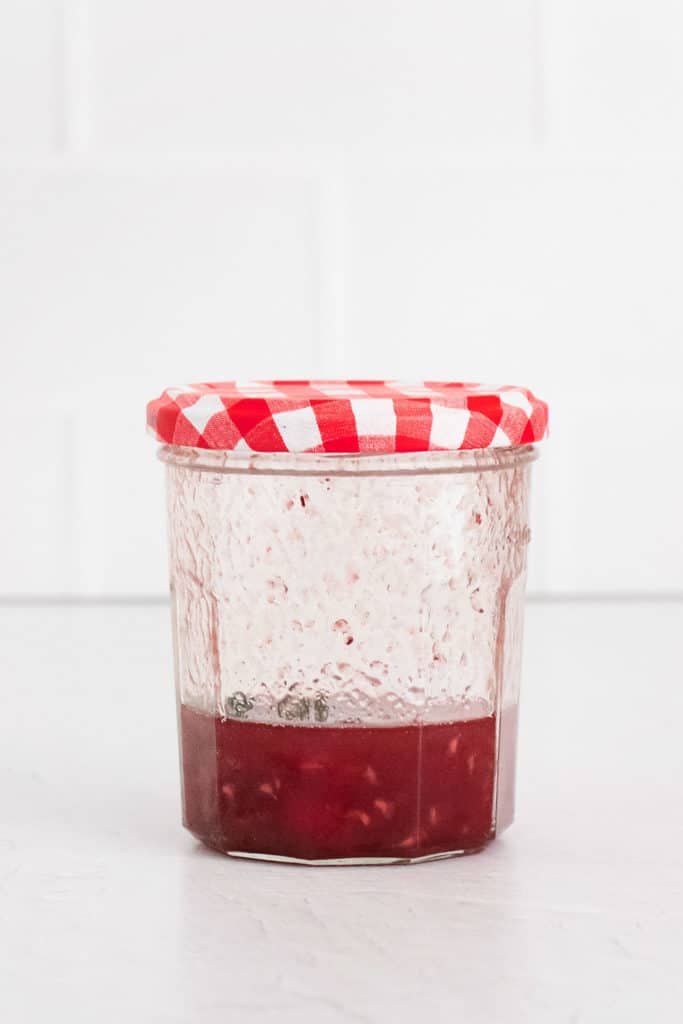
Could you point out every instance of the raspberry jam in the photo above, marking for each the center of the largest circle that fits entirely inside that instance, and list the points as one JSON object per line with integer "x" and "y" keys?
{"x": 319, "y": 793}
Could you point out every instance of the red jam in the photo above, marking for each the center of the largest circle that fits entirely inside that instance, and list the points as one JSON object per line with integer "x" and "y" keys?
{"x": 338, "y": 792}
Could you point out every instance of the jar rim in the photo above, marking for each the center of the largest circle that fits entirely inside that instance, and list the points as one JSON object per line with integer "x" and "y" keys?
{"x": 347, "y": 464}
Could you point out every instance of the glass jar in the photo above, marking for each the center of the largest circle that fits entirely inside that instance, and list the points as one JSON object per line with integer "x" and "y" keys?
{"x": 347, "y": 632}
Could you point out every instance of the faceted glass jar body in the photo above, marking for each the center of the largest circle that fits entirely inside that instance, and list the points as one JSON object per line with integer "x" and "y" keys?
{"x": 347, "y": 649}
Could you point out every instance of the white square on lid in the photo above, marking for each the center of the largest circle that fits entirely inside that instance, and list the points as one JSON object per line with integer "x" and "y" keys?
{"x": 299, "y": 429}
{"x": 517, "y": 399}
{"x": 201, "y": 411}
{"x": 448, "y": 426}
{"x": 375, "y": 417}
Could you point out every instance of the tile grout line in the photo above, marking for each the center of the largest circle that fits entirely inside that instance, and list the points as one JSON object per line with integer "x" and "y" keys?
{"x": 331, "y": 273}
{"x": 75, "y": 113}
{"x": 538, "y": 98}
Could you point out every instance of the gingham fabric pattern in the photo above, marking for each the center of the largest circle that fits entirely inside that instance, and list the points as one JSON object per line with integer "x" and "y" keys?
{"x": 352, "y": 416}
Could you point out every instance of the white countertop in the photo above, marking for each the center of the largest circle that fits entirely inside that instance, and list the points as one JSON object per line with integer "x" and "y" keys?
{"x": 110, "y": 912}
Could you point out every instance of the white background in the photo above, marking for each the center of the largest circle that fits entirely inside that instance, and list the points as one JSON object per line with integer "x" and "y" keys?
{"x": 213, "y": 189}
{"x": 203, "y": 190}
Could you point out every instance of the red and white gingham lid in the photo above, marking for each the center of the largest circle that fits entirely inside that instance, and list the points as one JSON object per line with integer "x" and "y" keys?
{"x": 347, "y": 416}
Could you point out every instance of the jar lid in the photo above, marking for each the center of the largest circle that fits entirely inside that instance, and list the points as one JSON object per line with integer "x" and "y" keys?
{"x": 347, "y": 416}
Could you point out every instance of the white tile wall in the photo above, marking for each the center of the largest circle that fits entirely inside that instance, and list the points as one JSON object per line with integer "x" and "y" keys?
{"x": 114, "y": 276}
{"x": 534, "y": 269}
{"x": 614, "y": 73}
{"x": 210, "y": 189}
{"x": 31, "y": 55}
{"x": 281, "y": 76}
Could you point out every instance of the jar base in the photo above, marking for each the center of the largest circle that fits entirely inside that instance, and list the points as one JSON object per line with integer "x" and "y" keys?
{"x": 336, "y": 862}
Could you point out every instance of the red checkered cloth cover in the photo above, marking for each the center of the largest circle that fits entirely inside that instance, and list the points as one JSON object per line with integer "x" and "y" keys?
{"x": 347, "y": 416}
